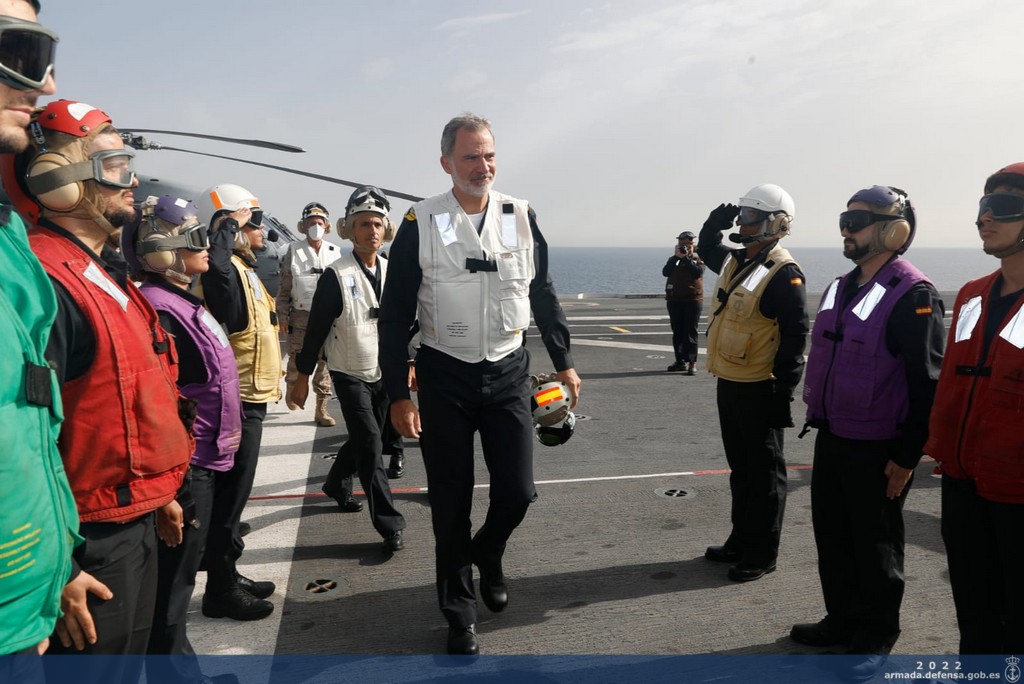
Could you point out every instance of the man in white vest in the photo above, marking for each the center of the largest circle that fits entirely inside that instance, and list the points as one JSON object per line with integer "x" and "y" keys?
{"x": 343, "y": 322}
{"x": 473, "y": 262}
{"x": 301, "y": 267}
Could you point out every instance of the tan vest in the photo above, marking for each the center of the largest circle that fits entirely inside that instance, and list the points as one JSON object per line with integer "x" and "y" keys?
{"x": 482, "y": 315}
{"x": 741, "y": 342}
{"x": 303, "y": 261}
{"x": 256, "y": 348}
{"x": 352, "y": 345}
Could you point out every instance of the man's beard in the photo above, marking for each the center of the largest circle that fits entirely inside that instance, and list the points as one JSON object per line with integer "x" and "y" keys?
{"x": 474, "y": 189}
{"x": 856, "y": 253}
{"x": 13, "y": 140}
{"x": 119, "y": 217}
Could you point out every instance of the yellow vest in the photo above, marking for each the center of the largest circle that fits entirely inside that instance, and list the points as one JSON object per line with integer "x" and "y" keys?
{"x": 741, "y": 342}
{"x": 256, "y": 348}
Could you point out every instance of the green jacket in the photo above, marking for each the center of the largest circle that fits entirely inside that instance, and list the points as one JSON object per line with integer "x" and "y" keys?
{"x": 38, "y": 518}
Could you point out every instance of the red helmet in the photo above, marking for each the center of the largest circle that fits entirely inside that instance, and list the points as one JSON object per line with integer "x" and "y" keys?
{"x": 1011, "y": 176}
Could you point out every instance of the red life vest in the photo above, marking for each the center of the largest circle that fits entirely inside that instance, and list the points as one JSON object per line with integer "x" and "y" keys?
{"x": 974, "y": 430}
{"x": 124, "y": 447}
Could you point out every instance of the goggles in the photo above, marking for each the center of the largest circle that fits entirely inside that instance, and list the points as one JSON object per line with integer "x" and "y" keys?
{"x": 113, "y": 168}
{"x": 27, "y": 52}
{"x": 856, "y": 220}
{"x": 369, "y": 194}
{"x": 193, "y": 237}
{"x": 255, "y": 219}
{"x": 749, "y": 216}
{"x": 1002, "y": 206}
{"x": 557, "y": 435}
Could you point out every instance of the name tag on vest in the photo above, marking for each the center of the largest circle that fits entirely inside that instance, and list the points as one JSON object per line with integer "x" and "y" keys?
{"x": 445, "y": 229}
{"x": 870, "y": 301}
{"x": 94, "y": 275}
{"x": 211, "y": 324}
{"x": 830, "y": 297}
{"x": 509, "y": 234}
{"x": 254, "y": 281}
{"x": 302, "y": 255}
{"x": 1014, "y": 330}
{"x": 970, "y": 314}
{"x": 755, "y": 278}
{"x": 353, "y": 287}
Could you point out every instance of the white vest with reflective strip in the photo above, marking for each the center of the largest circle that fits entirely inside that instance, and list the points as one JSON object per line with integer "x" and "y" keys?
{"x": 351, "y": 346}
{"x": 482, "y": 315}
{"x": 303, "y": 260}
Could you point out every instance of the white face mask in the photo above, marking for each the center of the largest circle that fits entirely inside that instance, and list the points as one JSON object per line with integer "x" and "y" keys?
{"x": 316, "y": 232}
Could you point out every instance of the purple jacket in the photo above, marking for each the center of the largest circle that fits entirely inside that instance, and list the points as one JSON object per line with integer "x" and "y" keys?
{"x": 218, "y": 426}
{"x": 853, "y": 384}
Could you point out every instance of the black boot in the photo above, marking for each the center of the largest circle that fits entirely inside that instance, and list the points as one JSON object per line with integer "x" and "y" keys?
{"x": 235, "y": 603}
{"x": 260, "y": 590}
{"x": 396, "y": 468}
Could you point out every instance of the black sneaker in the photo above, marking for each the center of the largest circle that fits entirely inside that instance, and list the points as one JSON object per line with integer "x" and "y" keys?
{"x": 677, "y": 366}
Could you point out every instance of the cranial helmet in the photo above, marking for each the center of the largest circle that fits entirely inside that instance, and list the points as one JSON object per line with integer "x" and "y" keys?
{"x": 772, "y": 207}
{"x": 216, "y": 202}
{"x": 167, "y": 225}
{"x": 550, "y": 400}
{"x": 892, "y": 236}
{"x": 1011, "y": 176}
{"x": 365, "y": 199}
{"x": 314, "y": 210}
{"x": 51, "y": 177}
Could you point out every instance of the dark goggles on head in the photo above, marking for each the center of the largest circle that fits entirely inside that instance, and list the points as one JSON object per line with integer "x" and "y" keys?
{"x": 749, "y": 216}
{"x": 27, "y": 52}
{"x": 856, "y": 220}
{"x": 256, "y": 219}
{"x": 194, "y": 238}
{"x": 556, "y": 435}
{"x": 1002, "y": 206}
{"x": 372, "y": 193}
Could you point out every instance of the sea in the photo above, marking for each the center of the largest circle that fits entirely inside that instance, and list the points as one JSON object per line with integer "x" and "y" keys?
{"x": 637, "y": 270}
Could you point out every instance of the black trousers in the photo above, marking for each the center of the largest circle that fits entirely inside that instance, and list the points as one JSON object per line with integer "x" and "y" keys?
{"x": 124, "y": 557}
{"x": 758, "y": 479}
{"x": 456, "y": 400}
{"x": 985, "y": 547}
{"x": 684, "y": 318}
{"x": 364, "y": 405}
{"x": 860, "y": 538}
{"x": 224, "y": 544}
{"x": 176, "y": 580}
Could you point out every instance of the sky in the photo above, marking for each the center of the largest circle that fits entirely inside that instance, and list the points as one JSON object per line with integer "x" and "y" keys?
{"x": 622, "y": 123}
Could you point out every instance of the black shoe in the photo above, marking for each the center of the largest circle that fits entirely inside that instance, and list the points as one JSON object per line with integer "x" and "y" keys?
{"x": 493, "y": 589}
{"x": 346, "y": 502}
{"x": 244, "y": 529}
{"x": 821, "y": 633}
{"x": 677, "y": 366}
{"x": 462, "y": 641}
{"x": 396, "y": 468}
{"x": 722, "y": 554}
{"x": 236, "y": 604}
{"x": 260, "y": 590}
{"x": 394, "y": 542}
{"x": 748, "y": 572}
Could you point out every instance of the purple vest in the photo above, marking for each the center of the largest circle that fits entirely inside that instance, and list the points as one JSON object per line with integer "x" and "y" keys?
{"x": 218, "y": 426}
{"x": 852, "y": 382}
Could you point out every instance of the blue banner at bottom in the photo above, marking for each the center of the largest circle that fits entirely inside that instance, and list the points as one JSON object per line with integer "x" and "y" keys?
{"x": 323, "y": 669}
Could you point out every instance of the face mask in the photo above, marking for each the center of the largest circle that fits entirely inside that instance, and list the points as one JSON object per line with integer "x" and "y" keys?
{"x": 315, "y": 232}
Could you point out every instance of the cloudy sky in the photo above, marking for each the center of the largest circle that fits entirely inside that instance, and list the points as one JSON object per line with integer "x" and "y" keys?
{"x": 622, "y": 122}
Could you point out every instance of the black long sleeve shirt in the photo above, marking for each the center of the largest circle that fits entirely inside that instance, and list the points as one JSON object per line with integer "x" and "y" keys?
{"x": 222, "y": 285}
{"x": 398, "y": 306}
{"x": 784, "y": 300}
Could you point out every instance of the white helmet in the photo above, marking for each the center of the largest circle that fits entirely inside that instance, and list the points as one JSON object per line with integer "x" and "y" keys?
{"x": 550, "y": 400}
{"x": 227, "y": 198}
{"x": 772, "y": 207}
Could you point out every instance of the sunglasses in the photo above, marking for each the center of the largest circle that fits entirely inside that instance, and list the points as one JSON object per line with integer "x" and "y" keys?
{"x": 1002, "y": 206}
{"x": 27, "y": 52}
{"x": 750, "y": 215}
{"x": 856, "y": 220}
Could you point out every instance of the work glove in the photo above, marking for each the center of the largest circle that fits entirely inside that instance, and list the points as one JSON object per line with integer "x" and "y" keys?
{"x": 780, "y": 414}
{"x": 187, "y": 412}
{"x": 722, "y": 217}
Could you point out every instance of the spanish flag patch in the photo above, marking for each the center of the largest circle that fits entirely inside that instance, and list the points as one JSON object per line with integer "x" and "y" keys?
{"x": 548, "y": 396}
{"x": 410, "y": 215}
{"x": 923, "y": 311}
{"x": 796, "y": 281}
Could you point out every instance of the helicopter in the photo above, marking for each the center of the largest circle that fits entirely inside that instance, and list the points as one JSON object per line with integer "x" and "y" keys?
{"x": 277, "y": 233}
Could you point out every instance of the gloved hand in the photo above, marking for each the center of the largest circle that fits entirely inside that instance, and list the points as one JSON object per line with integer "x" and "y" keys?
{"x": 187, "y": 412}
{"x": 722, "y": 217}
{"x": 779, "y": 410}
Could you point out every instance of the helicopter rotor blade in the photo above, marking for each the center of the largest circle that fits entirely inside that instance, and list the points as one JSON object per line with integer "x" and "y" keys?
{"x": 297, "y": 172}
{"x": 280, "y": 147}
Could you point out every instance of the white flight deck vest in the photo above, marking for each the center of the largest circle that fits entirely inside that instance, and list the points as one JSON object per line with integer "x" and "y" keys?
{"x": 351, "y": 346}
{"x": 482, "y": 315}
{"x": 303, "y": 260}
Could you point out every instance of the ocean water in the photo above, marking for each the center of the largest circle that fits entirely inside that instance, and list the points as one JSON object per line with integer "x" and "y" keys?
{"x": 637, "y": 270}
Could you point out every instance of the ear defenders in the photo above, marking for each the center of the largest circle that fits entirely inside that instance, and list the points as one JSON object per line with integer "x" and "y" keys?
{"x": 56, "y": 181}
{"x": 778, "y": 224}
{"x": 893, "y": 235}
